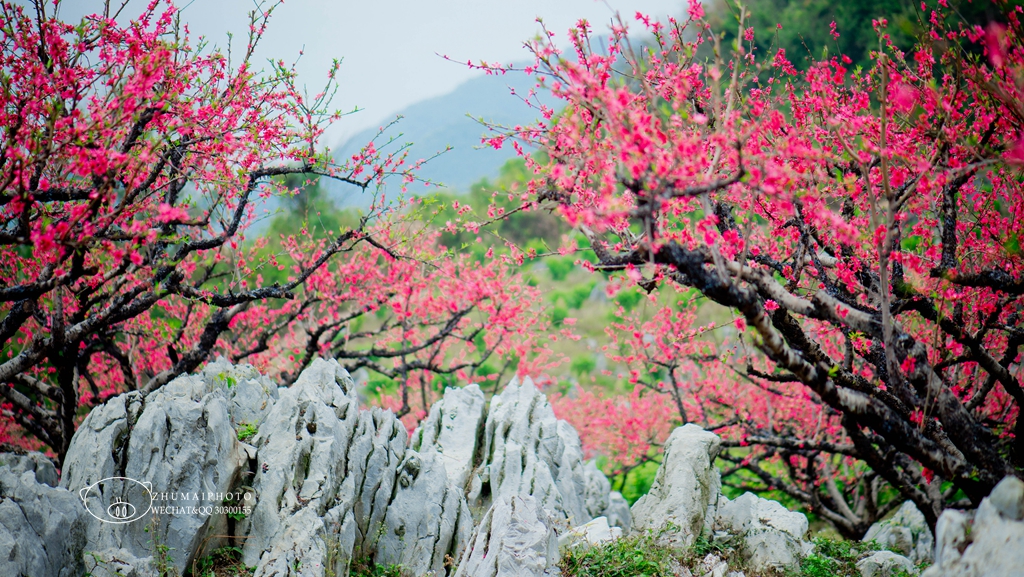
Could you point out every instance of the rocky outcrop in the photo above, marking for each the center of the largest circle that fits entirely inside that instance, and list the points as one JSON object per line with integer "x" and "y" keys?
{"x": 182, "y": 441}
{"x": 527, "y": 451}
{"x": 39, "y": 465}
{"x": 989, "y": 543}
{"x": 886, "y": 564}
{"x": 313, "y": 481}
{"x": 250, "y": 395}
{"x": 454, "y": 429}
{"x": 593, "y": 532}
{"x": 952, "y": 536}
{"x": 618, "y": 513}
{"x": 427, "y": 521}
{"x": 302, "y": 457}
{"x": 42, "y": 528}
{"x": 685, "y": 503}
{"x": 905, "y": 531}
{"x": 601, "y": 501}
{"x": 686, "y": 488}
{"x": 515, "y": 538}
{"x": 765, "y": 533}
{"x": 375, "y": 455}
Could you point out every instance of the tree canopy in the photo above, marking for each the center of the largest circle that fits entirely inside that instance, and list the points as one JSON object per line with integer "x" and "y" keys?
{"x": 861, "y": 225}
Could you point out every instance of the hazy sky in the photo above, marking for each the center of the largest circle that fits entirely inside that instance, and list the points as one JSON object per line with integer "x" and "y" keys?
{"x": 390, "y": 47}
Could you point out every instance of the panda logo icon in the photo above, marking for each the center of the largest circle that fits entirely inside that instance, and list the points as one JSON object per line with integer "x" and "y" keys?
{"x": 117, "y": 499}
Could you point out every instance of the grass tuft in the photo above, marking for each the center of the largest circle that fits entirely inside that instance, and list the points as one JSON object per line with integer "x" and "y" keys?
{"x": 367, "y": 568}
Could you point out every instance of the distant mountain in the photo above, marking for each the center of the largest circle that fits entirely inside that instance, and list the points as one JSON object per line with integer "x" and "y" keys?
{"x": 433, "y": 124}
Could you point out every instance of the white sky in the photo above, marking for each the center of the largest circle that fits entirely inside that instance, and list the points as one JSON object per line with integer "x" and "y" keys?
{"x": 390, "y": 47}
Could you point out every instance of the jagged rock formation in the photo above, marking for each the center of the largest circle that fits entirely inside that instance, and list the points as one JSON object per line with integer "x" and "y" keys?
{"x": 685, "y": 502}
{"x": 987, "y": 543}
{"x": 302, "y": 460}
{"x": 427, "y": 520}
{"x": 182, "y": 440}
{"x": 886, "y": 564}
{"x": 322, "y": 482}
{"x": 515, "y": 538}
{"x": 527, "y": 451}
{"x": 38, "y": 464}
{"x": 766, "y": 533}
{"x": 686, "y": 488}
{"x": 517, "y": 447}
{"x": 453, "y": 429}
{"x": 380, "y": 447}
{"x": 42, "y": 529}
{"x": 601, "y": 501}
{"x": 907, "y": 532}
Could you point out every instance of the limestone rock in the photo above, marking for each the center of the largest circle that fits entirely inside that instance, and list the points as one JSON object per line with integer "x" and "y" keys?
{"x": 769, "y": 535}
{"x": 952, "y": 536}
{"x": 42, "y": 528}
{"x": 886, "y": 564}
{"x": 377, "y": 450}
{"x": 325, "y": 482}
{"x": 597, "y": 490}
{"x": 712, "y": 566}
{"x": 302, "y": 459}
{"x": 119, "y": 563}
{"x": 993, "y": 546}
{"x": 685, "y": 489}
{"x": 618, "y": 511}
{"x": 527, "y": 451}
{"x": 100, "y": 445}
{"x": 39, "y": 464}
{"x": 175, "y": 449}
{"x": 906, "y": 531}
{"x": 250, "y": 394}
{"x": 427, "y": 519}
{"x": 453, "y": 429}
{"x": 1008, "y": 499}
{"x": 514, "y": 539}
{"x": 593, "y": 532}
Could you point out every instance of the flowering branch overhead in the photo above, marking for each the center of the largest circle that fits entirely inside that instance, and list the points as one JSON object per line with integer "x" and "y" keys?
{"x": 862, "y": 227}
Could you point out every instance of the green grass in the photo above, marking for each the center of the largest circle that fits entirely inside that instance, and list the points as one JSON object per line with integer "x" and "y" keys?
{"x": 632, "y": 556}
{"x": 222, "y": 562}
{"x": 367, "y": 568}
{"x": 246, "y": 431}
{"x": 643, "y": 555}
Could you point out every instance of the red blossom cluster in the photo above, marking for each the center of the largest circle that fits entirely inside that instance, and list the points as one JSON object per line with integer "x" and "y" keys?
{"x": 862, "y": 227}
{"x": 132, "y": 163}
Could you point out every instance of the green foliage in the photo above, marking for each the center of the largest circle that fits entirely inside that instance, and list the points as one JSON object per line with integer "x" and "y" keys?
{"x": 628, "y": 298}
{"x": 834, "y": 558}
{"x": 225, "y": 379}
{"x": 805, "y": 33}
{"x": 378, "y": 385}
{"x": 637, "y": 482}
{"x": 632, "y": 556}
{"x": 560, "y": 266}
{"x": 162, "y": 560}
{"x": 558, "y": 315}
{"x": 222, "y": 562}
{"x": 521, "y": 228}
{"x": 575, "y": 296}
{"x": 246, "y": 431}
{"x": 643, "y": 555}
{"x": 237, "y": 507}
{"x": 367, "y": 568}
{"x": 582, "y": 365}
